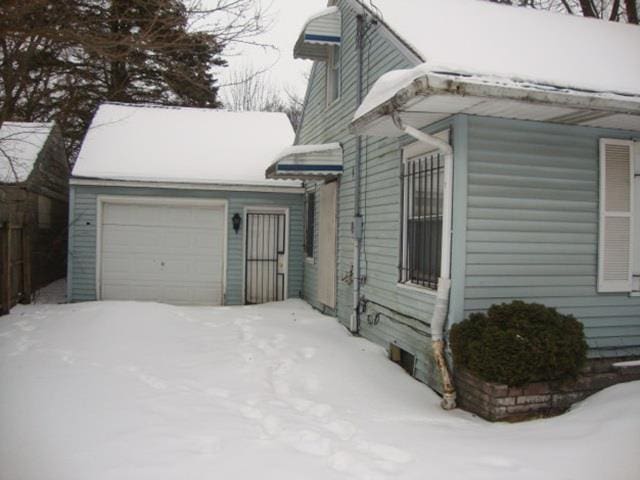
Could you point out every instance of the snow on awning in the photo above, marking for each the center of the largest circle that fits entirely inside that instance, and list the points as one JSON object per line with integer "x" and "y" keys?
{"x": 307, "y": 162}
{"x": 429, "y": 93}
{"x": 322, "y": 30}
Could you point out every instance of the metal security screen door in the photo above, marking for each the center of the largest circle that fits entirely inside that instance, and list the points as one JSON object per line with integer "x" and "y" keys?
{"x": 265, "y": 254}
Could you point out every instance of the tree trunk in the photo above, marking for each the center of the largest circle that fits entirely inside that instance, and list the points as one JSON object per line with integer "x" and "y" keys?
{"x": 632, "y": 11}
{"x": 587, "y": 9}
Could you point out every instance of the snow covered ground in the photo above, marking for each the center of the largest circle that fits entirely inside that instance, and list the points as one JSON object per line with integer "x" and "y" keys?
{"x": 128, "y": 390}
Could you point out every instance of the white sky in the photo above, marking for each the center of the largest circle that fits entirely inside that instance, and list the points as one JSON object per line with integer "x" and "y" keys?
{"x": 283, "y": 71}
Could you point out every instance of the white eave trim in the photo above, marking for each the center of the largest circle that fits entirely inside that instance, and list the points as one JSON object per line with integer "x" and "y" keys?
{"x": 322, "y": 31}
{"x": 307, "y": 162}
{"x": 436, "y": 83}
{"x": 221, "y": 187}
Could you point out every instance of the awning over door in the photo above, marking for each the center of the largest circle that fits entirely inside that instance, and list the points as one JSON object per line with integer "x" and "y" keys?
{"x": 307, "y": 162}
{"x": 322, "y": 30}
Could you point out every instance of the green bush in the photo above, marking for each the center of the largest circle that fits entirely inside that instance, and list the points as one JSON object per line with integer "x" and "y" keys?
{"x": 517, "y": 343}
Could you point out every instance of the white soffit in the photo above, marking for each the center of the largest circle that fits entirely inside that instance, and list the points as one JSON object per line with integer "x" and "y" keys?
{"x": 322, "y": 31}
{"x": 429, "y": 110}
{"x": 307, "y": 162}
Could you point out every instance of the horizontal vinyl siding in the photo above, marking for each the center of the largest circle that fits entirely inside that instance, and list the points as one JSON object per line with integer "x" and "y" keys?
{"x": 532, "y": 229}
{"x": 82, "y": 252}
{"x": 404, "y": 313}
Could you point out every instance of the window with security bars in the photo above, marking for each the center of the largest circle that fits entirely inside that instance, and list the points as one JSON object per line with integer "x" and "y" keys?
{"x": 422, "y": 203}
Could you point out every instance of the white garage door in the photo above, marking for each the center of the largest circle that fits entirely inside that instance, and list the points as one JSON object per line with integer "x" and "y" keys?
{"x": 165, "y": 253}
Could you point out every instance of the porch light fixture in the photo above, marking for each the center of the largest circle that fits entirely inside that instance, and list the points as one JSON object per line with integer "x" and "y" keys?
{"x": 236, "y": 220}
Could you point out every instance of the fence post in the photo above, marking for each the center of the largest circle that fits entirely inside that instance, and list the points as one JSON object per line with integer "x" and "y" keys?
{"x": 5, "y": 256}
{"x": 26, "y": 266}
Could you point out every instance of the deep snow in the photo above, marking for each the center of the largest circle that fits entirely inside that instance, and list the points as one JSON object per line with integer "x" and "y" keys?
{"x": 124, "y": 390}
{"x": 520, "y": 43}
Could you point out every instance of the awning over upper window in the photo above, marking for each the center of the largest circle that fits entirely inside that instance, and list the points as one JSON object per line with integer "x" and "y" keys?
{"x": 322, "y": 30}
{"x": 307, "y": 162}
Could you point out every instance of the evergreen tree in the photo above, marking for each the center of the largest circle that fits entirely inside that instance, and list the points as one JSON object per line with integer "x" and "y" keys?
{"x": 60, "y": 59}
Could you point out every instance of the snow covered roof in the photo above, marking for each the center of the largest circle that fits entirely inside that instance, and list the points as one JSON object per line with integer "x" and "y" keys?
{"x": 190, "y": 145}
{"x": 20, "y": 145}
{"x": 512, "y": 48}
{"x": 520, "y": 43}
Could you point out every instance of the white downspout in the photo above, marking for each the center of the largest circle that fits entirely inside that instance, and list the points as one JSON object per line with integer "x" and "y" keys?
{"x": 441, "y": 309}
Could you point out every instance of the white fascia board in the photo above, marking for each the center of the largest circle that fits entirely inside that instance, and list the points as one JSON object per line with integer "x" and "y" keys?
{"x": 96, "y": 182}
{"x": 442, "y": 84}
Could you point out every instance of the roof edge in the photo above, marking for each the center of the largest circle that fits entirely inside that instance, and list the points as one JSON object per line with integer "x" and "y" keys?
{"x": 230, "y": 187}
{"x": 446, "y": 84}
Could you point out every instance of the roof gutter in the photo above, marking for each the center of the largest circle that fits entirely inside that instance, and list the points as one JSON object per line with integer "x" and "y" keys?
{"x": 177, "y": 185}
{"x": 441, "y": 310}
{"x": 445, "y": 83}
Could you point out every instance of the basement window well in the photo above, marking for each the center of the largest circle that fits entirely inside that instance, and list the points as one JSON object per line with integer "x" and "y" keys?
{"x": 403, "y": 358}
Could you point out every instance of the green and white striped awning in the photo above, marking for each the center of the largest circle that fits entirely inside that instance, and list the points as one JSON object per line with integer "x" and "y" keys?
{"x": 322, "y": 31}
{"x": 307, "y": 162}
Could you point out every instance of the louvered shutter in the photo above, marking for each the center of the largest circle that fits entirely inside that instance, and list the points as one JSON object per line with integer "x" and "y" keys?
{"x": 616, "y": 220}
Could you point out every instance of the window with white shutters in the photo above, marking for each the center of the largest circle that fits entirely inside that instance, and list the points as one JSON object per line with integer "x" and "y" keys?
{"x": 615, "y": 256}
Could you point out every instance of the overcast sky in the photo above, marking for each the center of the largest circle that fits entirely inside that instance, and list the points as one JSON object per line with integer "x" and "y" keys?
{"x": 288, "y": 18}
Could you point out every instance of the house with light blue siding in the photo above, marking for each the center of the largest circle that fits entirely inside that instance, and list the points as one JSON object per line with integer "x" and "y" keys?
{"x": 458, "y": 154}
{"x": 170, "y": 204}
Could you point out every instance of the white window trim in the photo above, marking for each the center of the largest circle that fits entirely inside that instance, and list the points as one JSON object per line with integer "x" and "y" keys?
{"x": 602, "y": 214}
{"x": 330, "y": 84}
{"x": 409, "y": 152}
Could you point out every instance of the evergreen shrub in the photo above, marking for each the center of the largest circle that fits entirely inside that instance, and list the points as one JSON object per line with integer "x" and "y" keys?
{"x": 517, "y": 343}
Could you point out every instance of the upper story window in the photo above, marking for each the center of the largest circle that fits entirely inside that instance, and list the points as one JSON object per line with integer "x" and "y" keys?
{"x": 333, "y": 75}
{"x": 422, "y": 213}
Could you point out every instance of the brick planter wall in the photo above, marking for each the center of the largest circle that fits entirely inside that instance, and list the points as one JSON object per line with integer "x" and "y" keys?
{"x": 495, "y": 402}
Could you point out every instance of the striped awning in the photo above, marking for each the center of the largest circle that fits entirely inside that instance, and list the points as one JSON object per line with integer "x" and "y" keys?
{"x": 307, "y": 162}
{"x": 322, "y": 30}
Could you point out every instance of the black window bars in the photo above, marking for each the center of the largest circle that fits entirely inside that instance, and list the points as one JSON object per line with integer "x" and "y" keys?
{"x": 421, "y": 234}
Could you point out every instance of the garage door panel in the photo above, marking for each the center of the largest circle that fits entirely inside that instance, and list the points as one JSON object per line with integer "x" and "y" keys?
{"x": 164, "y": 253}
{"x": 159, "y": 238}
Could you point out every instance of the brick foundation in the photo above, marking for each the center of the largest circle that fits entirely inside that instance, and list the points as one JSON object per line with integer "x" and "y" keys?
{"x": 496, "y": 402}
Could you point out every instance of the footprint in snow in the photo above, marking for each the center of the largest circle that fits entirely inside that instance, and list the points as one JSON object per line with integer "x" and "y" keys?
{"x": 310, "y": 442}
{"x": 384, "y": 452}
{"x": 344, "y": 462}
{"x": 149, "y": 380}
{"x": 284, "y": 367}
{"x": 205, "y": 445}
{"x": 311, "y": 384}
{"x": 307, "y": 352}
{"x": 341, "y": 429}
{"x": 24, "y": 326}
{"x": 497, "y": 462}
{"x": 217, "y": 392}
{"x": 271, "y": 425}
{"x": 250, "y": 412}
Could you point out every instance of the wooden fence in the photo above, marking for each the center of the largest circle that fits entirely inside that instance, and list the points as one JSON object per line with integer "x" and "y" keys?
{"x": 15, "y": 266}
